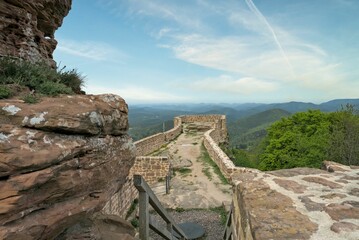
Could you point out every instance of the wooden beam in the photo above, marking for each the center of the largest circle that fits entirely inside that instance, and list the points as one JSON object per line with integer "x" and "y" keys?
{"x": 142, "y": 186}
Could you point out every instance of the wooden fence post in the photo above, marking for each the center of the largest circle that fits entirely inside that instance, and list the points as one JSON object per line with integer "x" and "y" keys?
{"x": 144, "y": 216}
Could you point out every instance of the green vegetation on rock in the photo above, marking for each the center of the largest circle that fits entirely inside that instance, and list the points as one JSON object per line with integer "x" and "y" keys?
{"x": 5, "y": 92}
{"x": 209, "y": 163}
{"x": 38, "y": 78}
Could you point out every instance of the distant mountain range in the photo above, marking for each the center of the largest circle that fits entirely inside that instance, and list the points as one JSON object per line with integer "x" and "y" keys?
{"x": 242, "y": 119}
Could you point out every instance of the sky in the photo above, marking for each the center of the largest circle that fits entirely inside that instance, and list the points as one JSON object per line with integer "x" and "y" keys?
{"x": 211, "y": 51}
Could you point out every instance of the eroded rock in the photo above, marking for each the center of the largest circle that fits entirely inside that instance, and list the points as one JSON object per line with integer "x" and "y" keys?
{"x": 78, "y": 114}
{"x": 27, "y": 28}
{"x": 53, "y": 174}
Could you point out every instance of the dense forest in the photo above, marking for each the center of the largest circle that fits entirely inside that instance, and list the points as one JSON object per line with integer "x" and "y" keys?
{"x": 304, "y": 139}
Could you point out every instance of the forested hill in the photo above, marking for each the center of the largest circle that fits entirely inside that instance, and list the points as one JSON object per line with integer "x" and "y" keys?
{"x": 246, "y": 131}
{"x": 148, "y": 119}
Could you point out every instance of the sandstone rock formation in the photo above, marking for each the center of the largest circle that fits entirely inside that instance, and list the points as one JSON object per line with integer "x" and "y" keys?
{"x": 27, "y": 28}
{"x": 60, "y": 161}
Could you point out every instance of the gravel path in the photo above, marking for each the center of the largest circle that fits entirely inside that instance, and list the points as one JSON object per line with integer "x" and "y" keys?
{"x": 208, "y": 219}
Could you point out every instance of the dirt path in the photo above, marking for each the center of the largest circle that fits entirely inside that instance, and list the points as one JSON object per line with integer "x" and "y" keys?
{"x": 194, "y": 185}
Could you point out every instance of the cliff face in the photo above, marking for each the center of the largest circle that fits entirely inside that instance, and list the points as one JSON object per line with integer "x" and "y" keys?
{"x": 27, "y": 28}
{"x": 60, "y": 161}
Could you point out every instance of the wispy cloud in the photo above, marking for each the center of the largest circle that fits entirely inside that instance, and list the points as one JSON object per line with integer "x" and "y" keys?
{"x": 177, "y": 12}
{"x": 261, "y": 17}
{"x": 228, "y": 84}
{"x": 250, "y": 49}
{"x": 96, "y": 51}
{"x": 135, "y": 94}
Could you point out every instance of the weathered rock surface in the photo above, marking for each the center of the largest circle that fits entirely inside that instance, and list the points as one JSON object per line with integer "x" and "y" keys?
{"x": 78, "y": 114}
{"x": 299, "y": 203}
{"x": 60, "y": 167}
{"x": 99, "y": 226}
{"x": 27, "y": 28}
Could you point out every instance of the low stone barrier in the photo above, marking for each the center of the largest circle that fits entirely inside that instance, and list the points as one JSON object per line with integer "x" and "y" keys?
{"x": 122, "y": 200}
{"x": 150, "y": 144}
{"x": 152, "y": 169}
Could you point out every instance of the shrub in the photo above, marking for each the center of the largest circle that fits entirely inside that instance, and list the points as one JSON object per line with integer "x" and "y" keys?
{"x": 30, "y": 98}
{"x": 72, "y": 79}
{"x": 40, "y": 77}
{"x": 54, "y": 89}
{"x": 5, "y": 92}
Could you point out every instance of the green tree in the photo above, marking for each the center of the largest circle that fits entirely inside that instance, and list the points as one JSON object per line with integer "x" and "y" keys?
{"x": 297, "y": 141}
{"x": 344, "y": 139}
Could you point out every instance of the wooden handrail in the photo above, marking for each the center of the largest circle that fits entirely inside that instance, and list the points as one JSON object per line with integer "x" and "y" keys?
{"x": 146, "y": 197}
{"x": 228, "y": 230}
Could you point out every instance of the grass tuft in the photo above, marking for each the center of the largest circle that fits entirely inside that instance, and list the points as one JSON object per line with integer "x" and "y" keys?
{"x": 207, "y": 160}
{"x": 38, "y": 77}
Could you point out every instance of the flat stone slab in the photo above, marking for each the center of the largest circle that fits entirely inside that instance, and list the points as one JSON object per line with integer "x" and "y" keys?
{"x": 300, "y": 203}
{"x": 192, "y": 230}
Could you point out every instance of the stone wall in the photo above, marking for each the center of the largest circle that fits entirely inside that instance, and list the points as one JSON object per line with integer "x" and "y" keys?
{"x": 152, "y": 169}
{"x": 219, "y": 124}
{"x": 216, "y": 135}
{"x": 151, "y": 143}
{"x": 215, "y": 152}
{"x": 122, "y": 200}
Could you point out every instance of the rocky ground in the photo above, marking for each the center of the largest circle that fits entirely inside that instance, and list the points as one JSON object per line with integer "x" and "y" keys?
{"x": 210, "y": 220}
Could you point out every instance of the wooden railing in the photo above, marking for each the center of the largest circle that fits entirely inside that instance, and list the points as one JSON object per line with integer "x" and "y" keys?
{"x": 146, "y": 198}
{"x": 228, "y": 231}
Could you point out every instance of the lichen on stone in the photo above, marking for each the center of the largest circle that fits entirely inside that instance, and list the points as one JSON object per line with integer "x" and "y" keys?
{"x": 11, "y": 109}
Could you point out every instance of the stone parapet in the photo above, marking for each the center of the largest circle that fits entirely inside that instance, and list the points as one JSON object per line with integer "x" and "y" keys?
{"x": 149, "y": 144}
{"x": 152, "y": 169}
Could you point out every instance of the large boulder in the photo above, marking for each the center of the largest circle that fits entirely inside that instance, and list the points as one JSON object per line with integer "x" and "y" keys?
{"x": 59, "y": 168}
{"x": 27, "y": 28}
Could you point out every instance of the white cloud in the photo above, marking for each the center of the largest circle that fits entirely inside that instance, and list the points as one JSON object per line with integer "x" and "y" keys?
{"x": 167, "y": 10}
{"x": 96, "y": 51}
{"x": 137, "y": 94}
{"x": 228, "y": 84}
{"x": 256, "y": 57}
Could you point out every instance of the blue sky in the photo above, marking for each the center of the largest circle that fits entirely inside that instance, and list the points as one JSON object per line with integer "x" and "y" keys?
{"x": 213, "y": 51}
